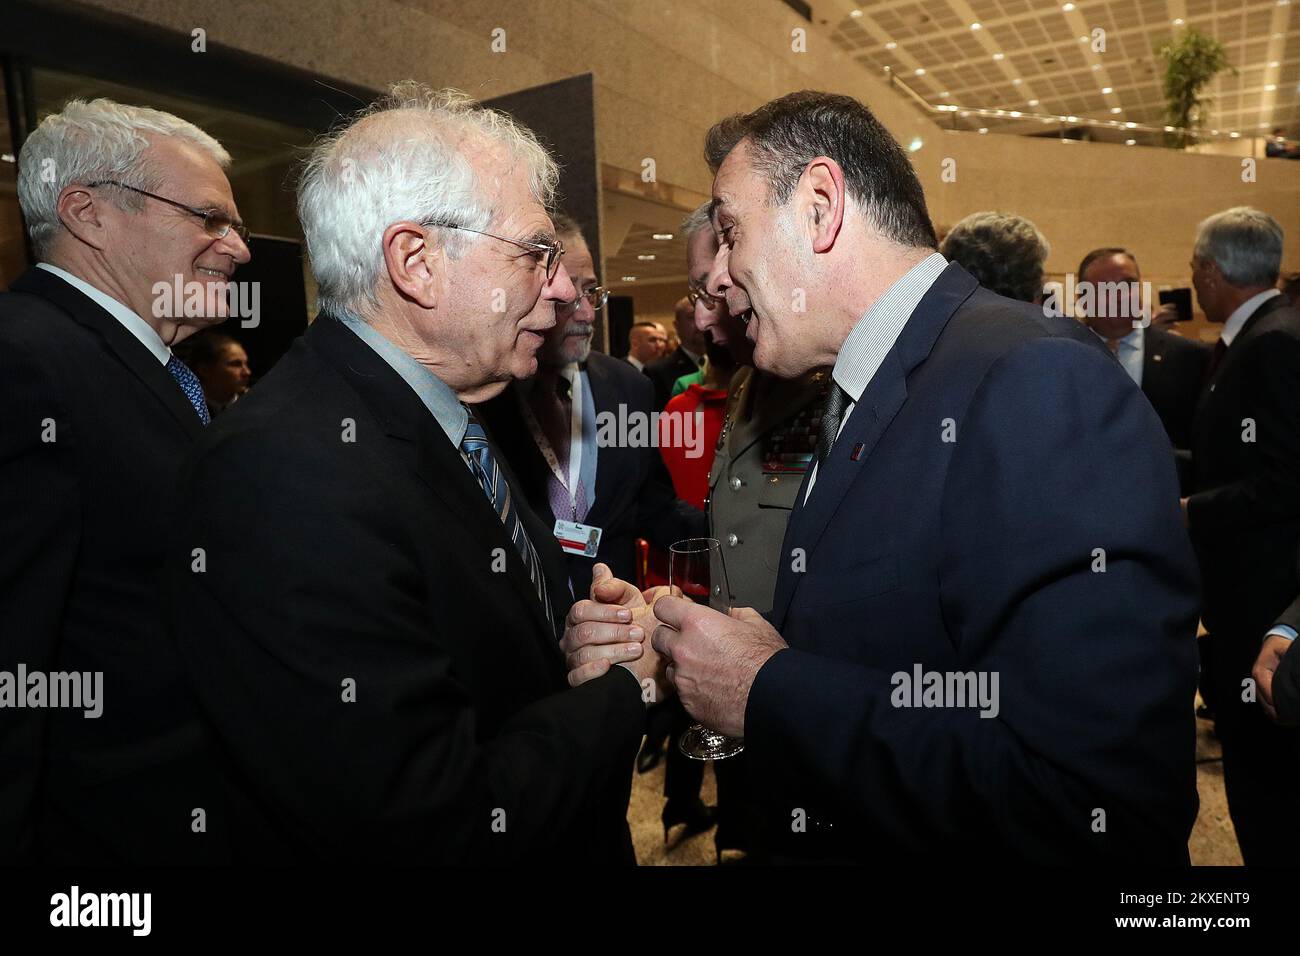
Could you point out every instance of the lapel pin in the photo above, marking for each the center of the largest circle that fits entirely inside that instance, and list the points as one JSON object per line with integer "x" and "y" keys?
{"x": 857, "y": 452}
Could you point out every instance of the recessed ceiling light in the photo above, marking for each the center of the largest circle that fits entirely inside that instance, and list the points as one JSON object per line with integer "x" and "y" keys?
{"x": 1130, "y": 142}
{"x": 1017, "y": 81}
{"x": 891, "y": 45}
{"x": 647, "y": 257}
{"x": 945, "y": 93}
{"x": 1083, "y": 39}
{"x": 663, "y": 235}
{"x": 1270, "y": 87}
{"x": 1275, "y": 63}
{"x": 1033, "y": 102}
{"x": 1234, "y": 134}
{"x": 1106, "y": 91}
{"x": 1178, "y": 21}
{"x": 855, "y": 13}
{"x": 975, "y": 26}
{"x": 629, "y": 278}
{"x": 1096, "y": 66}
{"x": 1131, "y": 125}
{"x": 920, "y": 71}
{"x": 999, "y": 56}
{"x": 1015, "y": 113}
{"x": 1067, "y": 7}
{"x": 1072, "y": 119}
{"x": 984, "y": 129}
{"x": 915, "y": 144}
{"x": 1117, "y": 109}
{"x": 1169, "y": 129}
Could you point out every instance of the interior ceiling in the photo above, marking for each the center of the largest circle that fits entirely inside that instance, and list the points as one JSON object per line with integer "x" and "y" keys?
{"x": 1028, "y": 55}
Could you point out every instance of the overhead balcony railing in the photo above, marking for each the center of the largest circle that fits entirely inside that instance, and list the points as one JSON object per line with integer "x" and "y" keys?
{"x": 1069, "y": 128}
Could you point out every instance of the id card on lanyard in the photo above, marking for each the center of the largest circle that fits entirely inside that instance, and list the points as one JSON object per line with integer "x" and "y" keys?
{"x": 579, "y": 471}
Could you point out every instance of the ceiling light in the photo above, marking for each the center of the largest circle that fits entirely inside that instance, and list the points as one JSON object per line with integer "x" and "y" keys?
{"x": 664, "y": 236}
{"x": 629, "y": 278}
{"x": 1017, "y": 81}
{"x": 1117, "y": 109}
{"x": 1234, "y": 134}
{"x": 974, "y": 26}
{"x": 1033, "y": 102}
{"x": 1072, "y": 119}
{"x": 920, "y": 71}
{"x": 1130, "y": 142}
{"x": 1096, "y": 66}
{"x": 1083, "y": 39}
{"x": 1131, "y": 125}
{"x": 999, "y": 56}
{"x": 1178, "y": 21}
{"x": 1067, "y": 7}
{"x": 1106, "y": 91}
{"x": 1275, "y": 63}
{"x": 1270, "y": 87}
{"x": 1016, "y": 113}
{"x": 915, "y": 144}
{"x": 855, "y": 13}
{"x": 647, "y": 257}
{"x": 984, "y": 129}
{"x": 891, "y": 45}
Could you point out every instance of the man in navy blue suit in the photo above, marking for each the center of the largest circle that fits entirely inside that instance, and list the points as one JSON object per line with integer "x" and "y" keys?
{"x": 976, "y": 651}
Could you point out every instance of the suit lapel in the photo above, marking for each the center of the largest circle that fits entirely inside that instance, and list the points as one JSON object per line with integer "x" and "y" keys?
{"x": 1234, "y": 350}
{"x": 416, "y": 438}
{"x": 128, "y": 350}
{"x": 871, "y": 417}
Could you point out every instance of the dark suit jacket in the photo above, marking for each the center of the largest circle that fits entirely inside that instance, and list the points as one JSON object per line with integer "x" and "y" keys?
{"x": 979, "y": 555}
{"x": 1173, "y": 370}
{"x": 83, "y": 528}
{"x": 634, "y": 493}
{"x": 665, "y": 373}
{"x": 1286, "y": 681}
{"x": 376, "y": 567}
{"x": 1245, "y": 513}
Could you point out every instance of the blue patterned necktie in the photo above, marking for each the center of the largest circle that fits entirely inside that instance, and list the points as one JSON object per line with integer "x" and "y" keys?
{"x": 189, "y": 383}
{"x": 478, "y": 453}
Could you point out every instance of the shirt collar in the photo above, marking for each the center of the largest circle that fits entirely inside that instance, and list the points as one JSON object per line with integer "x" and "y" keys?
{"x": 137, "y": 326}
{"x": 437, "y": 396}
{"x": 876, "y": 332}
{"x": 1243, "y": 312}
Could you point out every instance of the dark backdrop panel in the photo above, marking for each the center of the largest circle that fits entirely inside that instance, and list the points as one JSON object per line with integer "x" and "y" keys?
{"x": 621, "y": 317}
{"x": 563, "y": 115}
{"x": 282, "y": 308}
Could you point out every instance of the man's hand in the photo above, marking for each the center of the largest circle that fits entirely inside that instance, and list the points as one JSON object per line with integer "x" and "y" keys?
{"x": 610, "y": 629}
{"x": 1270, "y": 656}
{"x": 713, "y": 658}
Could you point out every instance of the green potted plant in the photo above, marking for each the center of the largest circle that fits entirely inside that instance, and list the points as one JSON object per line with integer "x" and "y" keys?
{"x": 1191, "y": 59}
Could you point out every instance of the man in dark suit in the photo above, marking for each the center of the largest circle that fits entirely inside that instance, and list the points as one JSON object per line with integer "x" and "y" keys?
{"x": 374, "y": 633}
{"x": 547, "y": 428}
{"x": 95, "y": 417}
{"x": 686, "y": 359}
{"x": 976, "y": 650}
{"x": 1244, "y": 512}
{"x": 1167, "y": 367}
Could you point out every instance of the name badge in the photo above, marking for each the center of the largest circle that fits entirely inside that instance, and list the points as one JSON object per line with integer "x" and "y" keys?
{"x": 577, "y": 538}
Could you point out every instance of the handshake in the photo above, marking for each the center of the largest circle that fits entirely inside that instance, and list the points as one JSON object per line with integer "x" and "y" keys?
{"x": 708, "y": 658}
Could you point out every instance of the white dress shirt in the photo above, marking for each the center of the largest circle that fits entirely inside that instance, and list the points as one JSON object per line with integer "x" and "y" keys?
{"x": 875, "y": 334}
{"x": 137, "y": 326}
{"x": 1131, "y": 352}
{"x": 1243, "y": 312}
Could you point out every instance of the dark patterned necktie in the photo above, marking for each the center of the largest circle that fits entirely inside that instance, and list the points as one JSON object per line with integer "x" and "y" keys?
{"x": 478, "y": 452}
{"x": 190, "y": 385}
{"x": 832, "y": 415}
{"x": 1216, "y": 359}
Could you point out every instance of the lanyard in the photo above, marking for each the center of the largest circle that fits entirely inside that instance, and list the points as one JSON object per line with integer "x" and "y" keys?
{"x": 582, "y": 444}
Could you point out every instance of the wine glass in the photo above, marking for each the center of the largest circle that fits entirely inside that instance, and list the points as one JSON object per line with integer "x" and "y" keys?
{"x": 696, "y": 571}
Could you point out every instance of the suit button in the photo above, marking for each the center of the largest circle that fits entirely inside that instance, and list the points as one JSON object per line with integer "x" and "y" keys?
{"x": 733, "y": 539}
{"x": 736, "y": 484}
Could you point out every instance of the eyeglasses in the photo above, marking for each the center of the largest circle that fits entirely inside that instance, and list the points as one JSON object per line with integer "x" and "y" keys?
{"x": 597, "y": 297}
{"x": 215, "y": 223}
{"x": 711, "y": 301}
{"x": 554, "y": 250}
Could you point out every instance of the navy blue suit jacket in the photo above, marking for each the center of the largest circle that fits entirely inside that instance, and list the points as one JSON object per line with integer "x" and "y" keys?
{"x": 982, "y": 553}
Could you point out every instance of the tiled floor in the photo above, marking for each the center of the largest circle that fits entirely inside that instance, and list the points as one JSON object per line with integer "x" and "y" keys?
{"x": 1212, "y": 844}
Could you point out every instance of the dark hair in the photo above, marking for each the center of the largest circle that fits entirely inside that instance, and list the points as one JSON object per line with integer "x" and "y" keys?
{"x": 204, "y": 348}
{"x": 1006, "y": 253}
{"x": 566, "y": 225}
{"x": 646, "y": 323}
{"x": 787, "y": 133}
{"x": 1096, "y": 254}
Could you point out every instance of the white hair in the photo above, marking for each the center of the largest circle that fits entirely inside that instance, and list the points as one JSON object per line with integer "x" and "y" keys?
{"x": 89, "y": 142}
{"x": 1244, "y": 243}
{"x": 404, "y": 159}
{"x": 697, "y": 221}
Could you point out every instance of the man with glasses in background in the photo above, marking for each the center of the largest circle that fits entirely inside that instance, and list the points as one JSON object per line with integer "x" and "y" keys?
{"x": 376, "y": 635}
{"x": 546, "y": 427}
{"x": 95, "y": 418}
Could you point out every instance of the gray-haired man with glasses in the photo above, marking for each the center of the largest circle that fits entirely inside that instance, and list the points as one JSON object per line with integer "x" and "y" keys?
{"x": 376, "y": 639}
{"x": 96, "y": 414}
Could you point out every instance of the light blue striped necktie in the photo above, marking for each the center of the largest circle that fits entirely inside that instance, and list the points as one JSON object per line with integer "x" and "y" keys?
{"x": 478, "y": 453}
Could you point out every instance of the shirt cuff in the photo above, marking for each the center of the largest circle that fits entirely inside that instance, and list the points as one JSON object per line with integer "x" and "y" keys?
{"x": 1282, "y": 630}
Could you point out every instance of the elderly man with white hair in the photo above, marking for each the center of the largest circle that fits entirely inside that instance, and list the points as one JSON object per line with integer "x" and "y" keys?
{"x": 375, "y": 636}
{"x": 1244, "y": 516}
{"x": 95, "y": 417}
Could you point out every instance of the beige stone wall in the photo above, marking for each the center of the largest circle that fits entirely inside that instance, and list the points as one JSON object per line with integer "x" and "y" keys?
{"x": 665, "y": 71}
